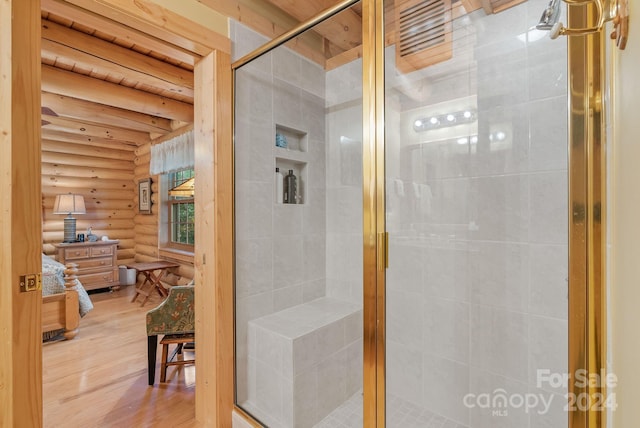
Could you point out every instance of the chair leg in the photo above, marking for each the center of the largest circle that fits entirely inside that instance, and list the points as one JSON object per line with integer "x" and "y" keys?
{"x": 163, "y": 365}
{"x": 152, "y": 346}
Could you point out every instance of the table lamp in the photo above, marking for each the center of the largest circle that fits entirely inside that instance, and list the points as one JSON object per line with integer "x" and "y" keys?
{"x": 69, "y": 204}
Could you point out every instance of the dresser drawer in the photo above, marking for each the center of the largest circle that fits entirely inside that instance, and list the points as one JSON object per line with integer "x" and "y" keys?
{"x": 104, "y": 279}
{"x": 76, "y": 253}
{"x": 97, "y": 262}
{"x": 101, "y": 251}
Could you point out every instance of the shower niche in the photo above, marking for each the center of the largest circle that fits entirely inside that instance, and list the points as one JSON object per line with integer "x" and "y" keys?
{"x": 291, "y": 155}
{"x": 289, "y": 139}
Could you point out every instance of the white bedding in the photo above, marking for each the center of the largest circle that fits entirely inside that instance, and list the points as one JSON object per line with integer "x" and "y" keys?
{"x": 53, "y": 283}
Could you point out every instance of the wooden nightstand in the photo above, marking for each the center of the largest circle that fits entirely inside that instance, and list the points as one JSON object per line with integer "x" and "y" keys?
{"x": 97, "y": 262}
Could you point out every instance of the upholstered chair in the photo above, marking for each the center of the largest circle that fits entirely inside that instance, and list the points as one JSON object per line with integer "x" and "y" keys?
{"x": 173, "y": 318}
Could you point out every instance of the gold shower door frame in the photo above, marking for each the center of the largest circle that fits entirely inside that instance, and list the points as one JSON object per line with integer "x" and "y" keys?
{"x": 586, "y": 216}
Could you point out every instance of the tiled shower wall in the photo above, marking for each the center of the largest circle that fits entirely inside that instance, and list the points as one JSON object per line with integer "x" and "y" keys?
{"x": 344, "y": 182}
{"x": 280, "y": 249}
{"x": 477, "y": 285}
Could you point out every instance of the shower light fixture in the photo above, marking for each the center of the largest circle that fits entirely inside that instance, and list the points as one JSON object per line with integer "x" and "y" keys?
{"x": 444, "y": 120}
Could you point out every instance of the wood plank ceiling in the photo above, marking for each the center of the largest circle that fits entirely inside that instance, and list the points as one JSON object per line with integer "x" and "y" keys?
{"x": 109, "y": 91}
{"x": 107, "y": 84}
{"x": 337, "y": 40}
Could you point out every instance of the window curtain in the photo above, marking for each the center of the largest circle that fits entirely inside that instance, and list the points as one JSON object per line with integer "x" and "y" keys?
{"x": 172, "y": 155}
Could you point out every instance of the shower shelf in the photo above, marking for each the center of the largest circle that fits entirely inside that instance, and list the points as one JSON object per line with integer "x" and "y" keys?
{"x": 300, "y": 171}
{"x": 294, "y": 157}
{"x": 297, "y": 140}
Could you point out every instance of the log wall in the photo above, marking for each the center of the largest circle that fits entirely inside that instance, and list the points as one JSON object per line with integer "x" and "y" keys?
{"x": 104, "y": 176}
{"x": 108, "y": 180}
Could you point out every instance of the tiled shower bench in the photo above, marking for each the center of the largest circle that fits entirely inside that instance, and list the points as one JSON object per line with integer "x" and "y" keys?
{"x": 306, "y": 360}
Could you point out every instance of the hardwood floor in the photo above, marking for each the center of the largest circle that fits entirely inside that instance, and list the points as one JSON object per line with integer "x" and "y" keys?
{"x": 99, "y": 379}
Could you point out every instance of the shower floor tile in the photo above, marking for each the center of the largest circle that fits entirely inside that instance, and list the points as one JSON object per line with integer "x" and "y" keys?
{"x": 400, "y": 413}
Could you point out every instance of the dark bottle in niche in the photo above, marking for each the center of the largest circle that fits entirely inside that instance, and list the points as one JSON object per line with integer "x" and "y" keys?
{"x": 290, "y": 188}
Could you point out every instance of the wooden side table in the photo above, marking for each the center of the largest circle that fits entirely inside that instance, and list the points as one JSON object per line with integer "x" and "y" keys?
{"x": 151, "y": 278}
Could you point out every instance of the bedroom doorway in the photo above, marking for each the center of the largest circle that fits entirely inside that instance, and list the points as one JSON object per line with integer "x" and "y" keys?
{"x": 22, "y": 203}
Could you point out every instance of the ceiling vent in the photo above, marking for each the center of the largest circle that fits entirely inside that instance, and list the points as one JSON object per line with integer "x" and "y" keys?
{"x": 424, "y": 33}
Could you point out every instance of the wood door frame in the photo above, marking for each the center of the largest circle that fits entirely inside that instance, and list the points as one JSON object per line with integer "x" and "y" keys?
{"x": 20, "y": 204}
{"x": 20, "y": 201}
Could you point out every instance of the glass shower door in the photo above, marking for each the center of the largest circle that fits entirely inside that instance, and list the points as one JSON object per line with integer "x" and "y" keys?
{"x": 476, "y": 203}
{"x": 298, "y": 232}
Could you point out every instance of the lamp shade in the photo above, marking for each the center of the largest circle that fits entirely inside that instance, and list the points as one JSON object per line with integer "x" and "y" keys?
{"x": 69, "y": 204}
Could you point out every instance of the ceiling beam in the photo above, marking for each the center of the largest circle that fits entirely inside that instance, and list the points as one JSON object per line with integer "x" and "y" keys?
{"x": 271, "y": 22}
{"x": 343, "y": 30}
{"x": 99, "y": 91}
{"x": 95, "y": 53}
{"x": 118, "y": 30}
{"x": 93, "y": 130}
{"x": 159, "y": 22}
{"x": 74, "y": 108}
{"x": 87, "y": 150}
{"x": 86, "y": 140}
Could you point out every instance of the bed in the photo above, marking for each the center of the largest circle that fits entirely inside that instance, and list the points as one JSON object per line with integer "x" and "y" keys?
{"x": 64, "y": 299}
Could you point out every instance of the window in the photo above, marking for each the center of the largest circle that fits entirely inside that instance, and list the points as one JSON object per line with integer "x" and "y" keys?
{"x": 181, "y": 209}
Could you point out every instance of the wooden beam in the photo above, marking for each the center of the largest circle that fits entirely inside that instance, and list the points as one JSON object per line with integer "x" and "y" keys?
{"x": 121, "y": 31}
{"x": 73, "y": 159}
{"x": 65, "y": 182}
{"x": 51, "y": 192}
{"x": 91, "y": 130}
{"x": 169, "y": 136}
{"x": 85, "y": 172}
{"x": 271, "y": 22}
{"x": 344, "y": 30}
{"x": 74, "y": 108}
{"x": 86, "y": 141}
{"x": 20, "y": 205}
{"x": 99, "y": 91}
{"x": 85, "y": 150}
{"x": 95, "y": 53}
{"x": 343, "y": 58}
{"x": 159, "y": 22}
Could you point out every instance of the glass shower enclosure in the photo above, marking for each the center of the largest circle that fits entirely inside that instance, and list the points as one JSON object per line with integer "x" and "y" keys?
{"x": 467, "y": 327}
{"x": 299, "y": 287}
